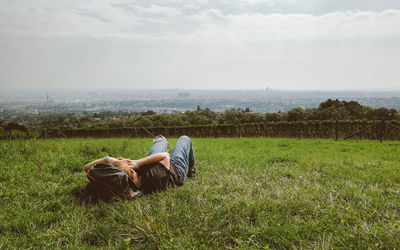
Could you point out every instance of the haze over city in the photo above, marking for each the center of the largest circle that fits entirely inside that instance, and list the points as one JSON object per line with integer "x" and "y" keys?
{"x": 252, "y": 44}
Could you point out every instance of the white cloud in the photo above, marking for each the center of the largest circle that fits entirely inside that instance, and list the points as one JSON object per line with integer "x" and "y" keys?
{"x": 207, "y": 15}
{"x": 268, "y": 1}
{"x": 258, "y": 28}
{"x": 197, "y": 42}
{"x": 156, "y": 9}
{"x": 121, "y": 18}
{"x": 65, "y": 18}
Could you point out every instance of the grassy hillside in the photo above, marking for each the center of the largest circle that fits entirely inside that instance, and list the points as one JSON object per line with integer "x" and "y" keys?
{"x": 250, "y": 193}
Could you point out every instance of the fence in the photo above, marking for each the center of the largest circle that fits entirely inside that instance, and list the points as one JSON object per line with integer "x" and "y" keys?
{"x": 309, "y": 129}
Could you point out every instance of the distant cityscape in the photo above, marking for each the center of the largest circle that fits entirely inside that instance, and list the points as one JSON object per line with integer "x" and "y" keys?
{"x": 180, "y": 100}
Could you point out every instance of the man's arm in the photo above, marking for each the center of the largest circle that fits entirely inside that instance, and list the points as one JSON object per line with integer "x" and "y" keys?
{"x": 121, "y": 164}
{"x": 87, "y": 166}
{"x": 163, "y": 158}
{"x": 110, "y": 160}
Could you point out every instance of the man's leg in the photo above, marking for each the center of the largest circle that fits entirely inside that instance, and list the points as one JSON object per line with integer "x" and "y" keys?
{"x": 160, "y": 145}
{"x": 183, "y": 156}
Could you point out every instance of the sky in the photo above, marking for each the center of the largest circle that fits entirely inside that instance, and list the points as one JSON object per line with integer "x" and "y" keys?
{"x": 200, "y": 44}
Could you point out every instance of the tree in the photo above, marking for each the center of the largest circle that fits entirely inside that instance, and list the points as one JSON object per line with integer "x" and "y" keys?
{"x": 233, "y": 116}
{"x": 295, "y": 114}
{"x": 272, "y": 117}
{"x": 330, "y": 104}
{"x": 248, "y": 117}
{"x": 354, "y": 109}
{"x": 148, "y": 112}
{"x": 143, "y": 122}
{"x": 335, "y": 109}
{"x": 381, "y": 113}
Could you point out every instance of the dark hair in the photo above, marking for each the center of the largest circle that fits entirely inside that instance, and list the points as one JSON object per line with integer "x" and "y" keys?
{"x": 107, "y": 181}
{"x": 95, "y": 192}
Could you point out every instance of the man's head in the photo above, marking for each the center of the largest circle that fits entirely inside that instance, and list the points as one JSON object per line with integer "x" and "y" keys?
{"x": 114, "y": 179}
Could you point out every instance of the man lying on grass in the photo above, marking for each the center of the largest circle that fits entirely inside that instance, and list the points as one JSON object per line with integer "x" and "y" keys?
{"x": 155, "y": 172}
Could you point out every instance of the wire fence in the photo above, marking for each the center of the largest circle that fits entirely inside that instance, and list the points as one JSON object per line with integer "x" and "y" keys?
{"x": 310, "y": 129}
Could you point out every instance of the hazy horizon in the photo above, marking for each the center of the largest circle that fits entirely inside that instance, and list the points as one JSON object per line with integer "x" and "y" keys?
{"x": 61, "y": 88}
{"x": 170, "y": 100}
{"x": 310, "y": 45}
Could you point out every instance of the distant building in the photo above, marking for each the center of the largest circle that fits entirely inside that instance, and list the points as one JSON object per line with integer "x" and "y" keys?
{"x": 34, "y": 111}
{"x": 183, "y": 95}
{"x": 96, "y": 119}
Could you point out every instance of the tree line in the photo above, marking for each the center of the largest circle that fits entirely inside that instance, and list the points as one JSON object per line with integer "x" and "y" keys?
{"x": 328, "y": 110}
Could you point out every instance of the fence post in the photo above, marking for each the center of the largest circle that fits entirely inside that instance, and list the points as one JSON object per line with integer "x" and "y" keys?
{"x": 336, "y": 130}
{"x": 299, "y": 128}
{"x": 382, "y": 130}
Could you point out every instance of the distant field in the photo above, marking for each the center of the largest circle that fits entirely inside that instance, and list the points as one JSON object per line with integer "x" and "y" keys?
{"x": 249, "y": 193}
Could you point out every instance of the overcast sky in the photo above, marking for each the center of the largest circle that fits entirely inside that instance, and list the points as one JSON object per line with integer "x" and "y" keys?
{"x": 224, "y": 44}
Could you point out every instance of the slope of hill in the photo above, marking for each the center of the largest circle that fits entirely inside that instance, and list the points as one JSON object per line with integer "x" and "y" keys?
{"x": 249, "y": 193}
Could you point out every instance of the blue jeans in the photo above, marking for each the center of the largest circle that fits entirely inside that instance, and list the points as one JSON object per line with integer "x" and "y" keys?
{"x": 159, "y": 146}
{"x": 182, "y": 155}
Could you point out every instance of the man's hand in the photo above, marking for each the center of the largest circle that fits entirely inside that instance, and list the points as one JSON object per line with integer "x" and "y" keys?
{"x": 132, "y": 163}
{"x": 124, "y": 159}
{"x": 159, "y": 157}
{"x": 118, "y": 162}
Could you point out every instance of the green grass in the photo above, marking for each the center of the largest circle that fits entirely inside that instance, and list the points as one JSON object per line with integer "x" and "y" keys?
{"x": 249, "y": 193}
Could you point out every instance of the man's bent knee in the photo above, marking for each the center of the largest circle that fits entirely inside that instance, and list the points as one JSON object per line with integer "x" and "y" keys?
{"x": 184, "y": 137}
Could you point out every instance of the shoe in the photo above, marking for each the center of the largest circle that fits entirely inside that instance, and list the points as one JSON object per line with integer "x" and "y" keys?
{"x": 192, "y": 172}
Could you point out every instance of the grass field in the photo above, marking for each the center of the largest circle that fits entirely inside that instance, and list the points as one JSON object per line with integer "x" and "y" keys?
{"x": 249, "y": 193}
